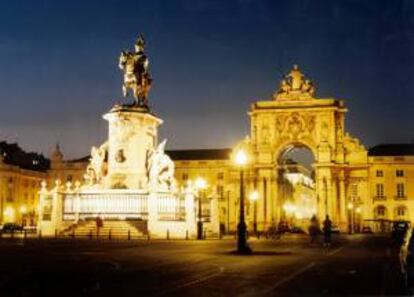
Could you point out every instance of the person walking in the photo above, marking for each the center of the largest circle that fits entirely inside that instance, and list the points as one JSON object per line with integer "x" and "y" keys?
{"x": 313, "y": 229}
{"x": 327, "y": 230}
{"x": 99, "y": 224}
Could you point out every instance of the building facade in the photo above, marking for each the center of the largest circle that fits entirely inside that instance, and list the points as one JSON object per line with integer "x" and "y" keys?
{"x": 20, "y": 176}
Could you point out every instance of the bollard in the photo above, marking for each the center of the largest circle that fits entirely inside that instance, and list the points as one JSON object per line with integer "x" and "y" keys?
{"x": 148, "y": 235}
{"x": 56, "y": 233}
{"x": 40, "y": 234}
{"x": 186, "y": 235}
{"x": 129, "y": 234}
{"x": 168, "y": 234}
{"x": 267, "y": 234}
{"x": 12, "y": 234}
{"x": 25, "y": 234}
{"x": 204, "y": 234}
{"x": 1, "y": 234}
{"x": 110, "y": 234}
{"x": 220, "y": 235}
{"x": 73, "y": 232}
{"x": 90, "y": 234}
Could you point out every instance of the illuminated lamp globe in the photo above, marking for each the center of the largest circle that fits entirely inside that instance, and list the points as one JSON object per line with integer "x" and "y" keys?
{"x": 241, "y": 158}
{"x": 254, "y": 196}
{"x": 200, "y": 183}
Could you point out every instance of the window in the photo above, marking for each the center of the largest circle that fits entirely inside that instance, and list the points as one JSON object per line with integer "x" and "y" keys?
{"x": 9, "y": 197}
{"x": 400, "y": 191}
{"x": 380, "y": 190}
{"x": 354, "y": 190}
{"x": 220, "y": 175}
{"x": 399, "y": 173}
{"x": 380, "y": 211}
{"x": 379, "y": 173}
{"x": 69, "y": 178}
{"x": 401, "y": 211}
{"x": 185, "y": 176}
{"x": 220, "y": 191}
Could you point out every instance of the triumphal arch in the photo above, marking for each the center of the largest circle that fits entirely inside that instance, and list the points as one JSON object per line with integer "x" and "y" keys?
{"x": 295, "y": 117}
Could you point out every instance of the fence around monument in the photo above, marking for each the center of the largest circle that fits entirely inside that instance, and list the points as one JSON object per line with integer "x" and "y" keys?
{"x": 170, "y": 207}
{"x": 126, "y": 205}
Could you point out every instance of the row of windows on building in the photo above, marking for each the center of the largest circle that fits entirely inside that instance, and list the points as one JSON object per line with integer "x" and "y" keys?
{"x": 220, "y": 176}
{"x": 381, "y": 211}
{"x": 26, "y": 183}
{"x": 11, "y": 198}
{"x": 398, "y": 173}
{"x": 400, "y": 190}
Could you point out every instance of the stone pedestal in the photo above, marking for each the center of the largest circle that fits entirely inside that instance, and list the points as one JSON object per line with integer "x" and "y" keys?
{"x": 132, "y": 133}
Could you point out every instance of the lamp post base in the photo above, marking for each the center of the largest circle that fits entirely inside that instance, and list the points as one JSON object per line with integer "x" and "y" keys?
{"x": 242, "y": 247}
{"x": 199, "y": 230}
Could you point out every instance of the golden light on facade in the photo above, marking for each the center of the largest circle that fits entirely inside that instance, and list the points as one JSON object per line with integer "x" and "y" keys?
{"x": 358, "y": 209}
{"x": 254, "y": 196}
{"x": 350, "y": 205}
{"x": 241, "y": 157}
{"x": 289, "y": 208}
{"x": 9, "y": 214}
{"x": 23, "y": 209}
{"x": 298, "y": 215}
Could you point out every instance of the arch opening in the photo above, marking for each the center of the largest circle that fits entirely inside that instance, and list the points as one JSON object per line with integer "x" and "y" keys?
{"x": 296, "y": 195}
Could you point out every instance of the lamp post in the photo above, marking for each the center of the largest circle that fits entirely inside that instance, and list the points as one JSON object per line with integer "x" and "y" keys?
{"x": 200, "y": 185}
{"x": 253, "y": 197}
{"x": 242, "y": 247}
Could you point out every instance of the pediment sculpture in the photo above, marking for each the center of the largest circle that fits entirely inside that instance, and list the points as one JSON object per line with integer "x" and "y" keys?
{"x": 295, "y": 86}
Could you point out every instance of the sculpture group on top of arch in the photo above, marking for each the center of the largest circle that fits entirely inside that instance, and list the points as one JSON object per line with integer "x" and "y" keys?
{"x": 295, "y": 86}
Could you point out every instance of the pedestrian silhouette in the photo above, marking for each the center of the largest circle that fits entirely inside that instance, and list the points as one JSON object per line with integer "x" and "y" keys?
{"x": 99, "y": 224}
{"x": 327, "y": 230}
{"x": 313, "y": 229}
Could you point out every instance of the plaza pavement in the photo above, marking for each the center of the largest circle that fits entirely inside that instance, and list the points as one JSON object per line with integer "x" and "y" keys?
{"x": 353, "y": 265}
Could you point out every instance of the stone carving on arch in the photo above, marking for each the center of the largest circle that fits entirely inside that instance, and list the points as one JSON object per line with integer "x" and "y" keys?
{"x": 295, "y": 127}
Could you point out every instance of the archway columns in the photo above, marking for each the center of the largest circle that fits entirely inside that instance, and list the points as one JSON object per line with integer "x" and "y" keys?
{"x": 342, "y": 203}
{"x": 330, "y": 190}
{"x": 267, "y": 213}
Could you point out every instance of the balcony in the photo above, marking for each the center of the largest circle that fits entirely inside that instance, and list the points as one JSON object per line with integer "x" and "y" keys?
{"x": 380, "y": 198}
{"x": 400, "y": 197}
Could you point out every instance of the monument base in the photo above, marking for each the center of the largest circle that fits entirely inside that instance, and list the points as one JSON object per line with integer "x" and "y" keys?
{"x": 132, "y": 134}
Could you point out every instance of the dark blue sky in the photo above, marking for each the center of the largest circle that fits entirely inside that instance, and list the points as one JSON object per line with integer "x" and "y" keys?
{"x": 209, "y": 59}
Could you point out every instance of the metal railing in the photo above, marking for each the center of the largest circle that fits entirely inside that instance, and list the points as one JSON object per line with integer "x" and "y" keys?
{"x": 122, "y": 205}
{"x": 170, "y": 207}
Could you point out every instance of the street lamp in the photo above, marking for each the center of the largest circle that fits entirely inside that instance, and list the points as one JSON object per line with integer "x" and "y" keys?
{"x": 253, "y": 197}
{"x": 201, "y": 184}
{"x": 242, "y": 247}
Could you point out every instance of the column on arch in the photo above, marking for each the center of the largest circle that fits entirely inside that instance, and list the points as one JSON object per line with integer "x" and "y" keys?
{"x": 264, "y": 210}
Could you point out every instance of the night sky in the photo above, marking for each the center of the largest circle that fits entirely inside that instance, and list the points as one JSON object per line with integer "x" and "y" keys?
{"x": 209, "y": 60}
